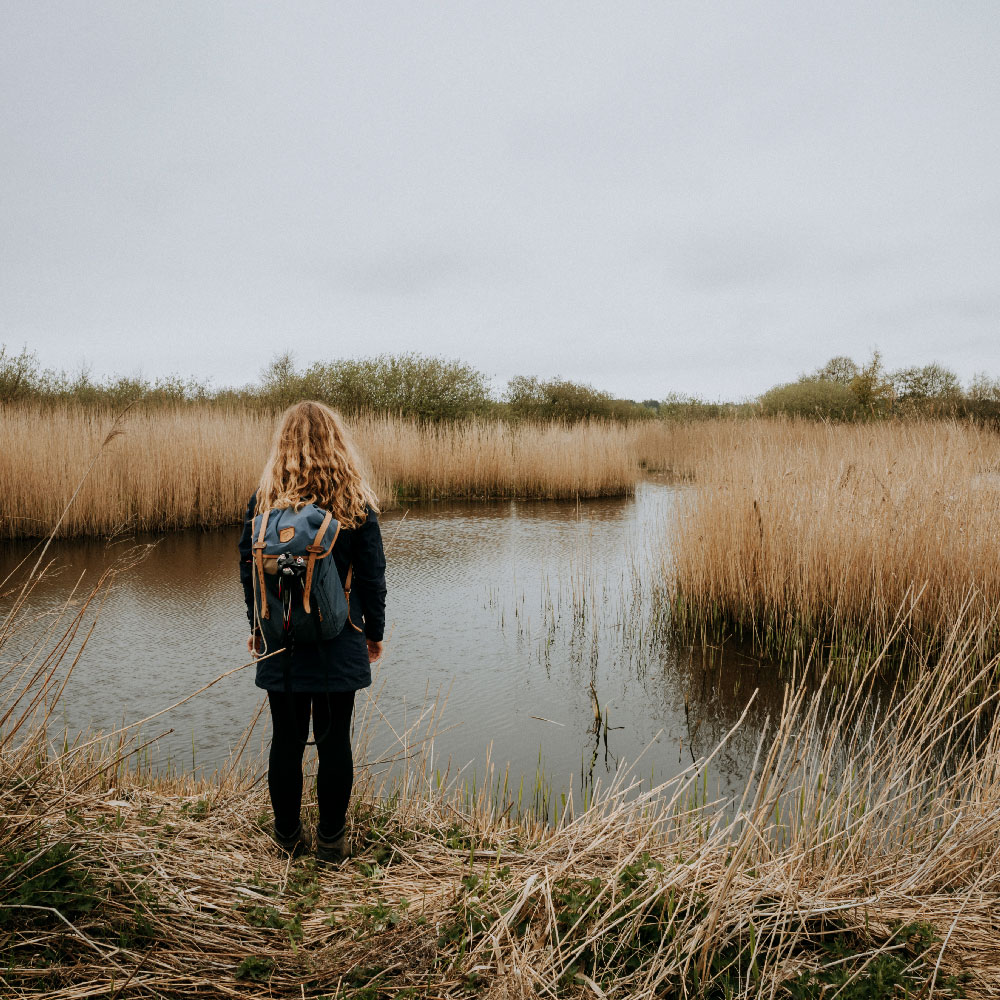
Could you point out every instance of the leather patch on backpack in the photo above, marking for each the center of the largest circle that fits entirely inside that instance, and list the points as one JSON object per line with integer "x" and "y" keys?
{"x": 286, "y": 534}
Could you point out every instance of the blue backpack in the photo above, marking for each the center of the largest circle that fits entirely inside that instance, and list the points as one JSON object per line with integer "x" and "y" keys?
{"x": 295, "y": 583}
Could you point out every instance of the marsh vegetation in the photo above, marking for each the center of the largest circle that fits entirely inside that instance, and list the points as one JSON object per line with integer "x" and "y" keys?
{"x": 856, "y": 537}
{"x": 859, "y": 857}
{"x": 195, "y": 466}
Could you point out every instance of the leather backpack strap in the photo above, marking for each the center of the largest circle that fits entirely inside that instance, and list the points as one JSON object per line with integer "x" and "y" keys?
{"x": 347, "y": 596}
{"x": 314, "y": 550}
{"x": 258, "y": 555}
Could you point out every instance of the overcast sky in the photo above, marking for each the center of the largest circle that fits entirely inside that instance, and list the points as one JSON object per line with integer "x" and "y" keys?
{"x": 652, "y": 197}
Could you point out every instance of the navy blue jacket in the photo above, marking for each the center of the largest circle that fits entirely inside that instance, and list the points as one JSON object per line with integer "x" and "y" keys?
{"x": 339, "y": 664}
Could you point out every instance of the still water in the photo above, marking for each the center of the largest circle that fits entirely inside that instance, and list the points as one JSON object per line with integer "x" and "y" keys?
{"x": 513, "y": 617}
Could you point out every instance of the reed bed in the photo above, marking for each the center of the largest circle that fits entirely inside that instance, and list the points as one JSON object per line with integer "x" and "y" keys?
{"x": 863, "y": 860}
{"x": 196, "y": 466}
{"x": 803, "y": 532}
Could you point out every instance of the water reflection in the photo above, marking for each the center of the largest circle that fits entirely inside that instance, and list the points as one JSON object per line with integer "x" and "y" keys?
{"x": 527, "y": 614}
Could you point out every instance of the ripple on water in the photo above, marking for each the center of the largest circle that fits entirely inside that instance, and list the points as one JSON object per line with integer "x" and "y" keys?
{"x": 480, "y": 607}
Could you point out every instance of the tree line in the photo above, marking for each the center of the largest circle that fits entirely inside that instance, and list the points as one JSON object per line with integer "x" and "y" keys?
{"x": 433, "y": 388}
{"x": 843, "y": 389}
{"x": 415, "y": 385}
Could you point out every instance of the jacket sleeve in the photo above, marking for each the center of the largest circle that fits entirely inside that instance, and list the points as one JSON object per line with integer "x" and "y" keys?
{"x": 369, "y": 575}
{"x": 246, "y": 558}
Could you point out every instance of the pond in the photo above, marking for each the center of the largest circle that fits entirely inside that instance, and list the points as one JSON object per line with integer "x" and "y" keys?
{"x": 522, "y": 621}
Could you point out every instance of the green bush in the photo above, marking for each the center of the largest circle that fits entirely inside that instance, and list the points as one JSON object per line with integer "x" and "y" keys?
{"x": 821, "y": 399}
{"x": 18, "y": 374}
{"x": 981, "y": 411}
{"x": 531, "y": 398}
{"x": 21, "y": 378}
{"x": 984, "y": 389}
{"x": 844, "y": 390}
{"x": 928, "y": 382}
{"x": 410, "y": 384}
{"x": 677, "y": 406}
{"x": 839, "y": 390}
{"x": 839, "y": 369}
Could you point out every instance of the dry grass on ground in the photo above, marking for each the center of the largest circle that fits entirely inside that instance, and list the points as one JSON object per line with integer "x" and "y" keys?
{"x": 866, "y": 853}
{"x": 196, "y": 466}
{"x": 801, "y": 531}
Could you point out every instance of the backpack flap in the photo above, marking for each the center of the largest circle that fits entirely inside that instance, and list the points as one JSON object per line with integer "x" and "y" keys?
{"x": 318, "y": 607}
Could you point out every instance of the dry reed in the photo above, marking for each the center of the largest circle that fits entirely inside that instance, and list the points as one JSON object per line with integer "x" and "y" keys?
{"x": 862, "y": 826}
{"x": 802, "y": 531}
{"x": 865, "y": 824}
{"x": 196, "y": 466}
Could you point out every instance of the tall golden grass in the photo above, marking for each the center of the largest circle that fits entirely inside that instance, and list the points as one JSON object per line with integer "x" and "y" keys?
{"x": 802, "y": 531}
{"x": 863, "y": 858}
{"x": 197, "y": 466}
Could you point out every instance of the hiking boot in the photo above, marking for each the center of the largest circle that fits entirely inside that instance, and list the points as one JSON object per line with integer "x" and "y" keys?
{"x": 295, "y": 845}
{"x": 332, "y": 849}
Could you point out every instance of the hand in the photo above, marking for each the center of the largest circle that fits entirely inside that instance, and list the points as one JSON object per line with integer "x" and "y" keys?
{"x": 254, "y": 644}
{"x": 374, "y": 649}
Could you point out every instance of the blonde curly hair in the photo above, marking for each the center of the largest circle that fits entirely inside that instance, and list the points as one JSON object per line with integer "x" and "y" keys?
{"x": 312, "y": 460}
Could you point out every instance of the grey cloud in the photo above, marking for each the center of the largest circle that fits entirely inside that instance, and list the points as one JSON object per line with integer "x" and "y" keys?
{"x": 723, "y": 259}
{"x": 405, "y": 272}
{"x": 409, "y": 270}
{"x": 645, "y": 196}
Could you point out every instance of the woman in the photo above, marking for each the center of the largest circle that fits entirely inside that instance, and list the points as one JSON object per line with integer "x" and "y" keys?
{"x": 312, "y": 461}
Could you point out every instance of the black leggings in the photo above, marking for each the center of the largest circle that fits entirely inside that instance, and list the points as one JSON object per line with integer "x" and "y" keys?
{"x": 331, "y": 715}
